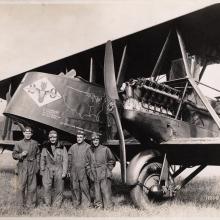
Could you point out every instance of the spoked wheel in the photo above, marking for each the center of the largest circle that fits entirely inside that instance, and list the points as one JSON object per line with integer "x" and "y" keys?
{"x": 148, "y": 189}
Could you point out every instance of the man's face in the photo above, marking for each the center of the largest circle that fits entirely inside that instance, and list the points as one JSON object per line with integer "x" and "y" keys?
{"x": 53, "y": 138}
{"x": 80, "y": 138}
{"x": 95, "y": 142}
{"x": 27, "y": 134}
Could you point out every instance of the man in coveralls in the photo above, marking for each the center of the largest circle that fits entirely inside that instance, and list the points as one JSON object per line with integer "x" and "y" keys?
{"x": 53, "y": 166}
{"x": 99, "y": 164}
{"x": 27, "y": 152}
{"x": 78, "y": 177}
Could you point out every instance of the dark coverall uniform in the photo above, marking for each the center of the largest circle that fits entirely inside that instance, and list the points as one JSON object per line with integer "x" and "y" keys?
{"x": 99, "y": 164}
{"x": 53, "y": 163}
{"x": 27, "y": 169}
{"x": 77, "y": 164}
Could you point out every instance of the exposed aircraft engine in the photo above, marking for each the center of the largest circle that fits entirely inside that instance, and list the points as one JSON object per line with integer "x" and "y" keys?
{"x": 146, "y": 95}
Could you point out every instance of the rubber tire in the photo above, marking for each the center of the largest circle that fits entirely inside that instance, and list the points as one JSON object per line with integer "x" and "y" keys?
{"x": 150, "y": 172}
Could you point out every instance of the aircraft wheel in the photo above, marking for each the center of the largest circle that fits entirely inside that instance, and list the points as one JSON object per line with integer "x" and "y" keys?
{"x": 148, "y": 189}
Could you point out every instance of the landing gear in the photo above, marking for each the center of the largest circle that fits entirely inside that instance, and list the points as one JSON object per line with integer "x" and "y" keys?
{"x": 148, "y": 188}
{"x": 152, "y": 186}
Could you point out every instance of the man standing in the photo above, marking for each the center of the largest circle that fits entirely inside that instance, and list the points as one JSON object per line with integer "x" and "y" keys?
{"x": 27, "y": 153}
{"x": 78, "y": 177}
{"x": 99, "y": 164}
{"x": 53, "y": 166}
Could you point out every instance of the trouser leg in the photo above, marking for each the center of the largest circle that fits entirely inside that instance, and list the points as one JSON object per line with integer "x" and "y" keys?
{"x": 32, "y": 190}
{"x": 47, "y": 184}
{"x": 22, "y": 182}
{"x": 92, "y": 190}
{"x": 76, "y": 191}
{"x": 84, "y": 185}
{"x": 59, "y": 188}
{"x": 98, "y": 196}
{"x": 106, "y": 190}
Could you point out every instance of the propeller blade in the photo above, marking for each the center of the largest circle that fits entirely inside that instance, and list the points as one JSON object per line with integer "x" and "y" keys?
{"x": 122, "y": 144}
{"x": 112, "y": 96}
{"x": 109, "y": 73}
{"x": 121, "y": 72}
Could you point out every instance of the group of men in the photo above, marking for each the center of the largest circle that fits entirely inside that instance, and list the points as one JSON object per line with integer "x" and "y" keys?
{"x": 88, "y": 166}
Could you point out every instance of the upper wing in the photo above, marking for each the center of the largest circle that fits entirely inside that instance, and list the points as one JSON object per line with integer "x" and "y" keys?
{"x": 200, "y": 31}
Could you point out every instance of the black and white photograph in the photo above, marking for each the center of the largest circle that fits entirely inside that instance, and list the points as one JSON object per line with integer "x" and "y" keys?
{"x": 110, "y": 108}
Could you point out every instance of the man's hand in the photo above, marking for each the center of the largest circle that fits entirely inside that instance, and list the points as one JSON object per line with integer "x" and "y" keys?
{"x": 91, "y": 176}
{"x": 63, "y": 176}
{"x": 41, "y": 172}
{"x": 37, "y": 169}
{"x": 24, "y": 153}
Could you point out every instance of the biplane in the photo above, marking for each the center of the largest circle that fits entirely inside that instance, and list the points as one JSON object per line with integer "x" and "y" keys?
{"x": 156, "y": 128}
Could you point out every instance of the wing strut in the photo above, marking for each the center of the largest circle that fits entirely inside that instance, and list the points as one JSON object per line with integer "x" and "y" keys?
{"x": 8, "y": 121}
{"x": 112, "y": 97}
{"x": 122, "y": 68}
{"x": 194, "y": 84}
{"x": 92, "y": 76}
{"x": 159, "y": 60}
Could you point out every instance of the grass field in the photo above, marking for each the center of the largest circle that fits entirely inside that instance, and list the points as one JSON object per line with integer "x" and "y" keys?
{"x": 200, "y": 198}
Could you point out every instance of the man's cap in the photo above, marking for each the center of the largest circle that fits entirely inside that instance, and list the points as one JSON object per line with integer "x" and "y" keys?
{"x": 27, "y": 129}
{"x": 52, "y": 132}
{"x": 95, "y": 136}
{"x": 80, "y": 132}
